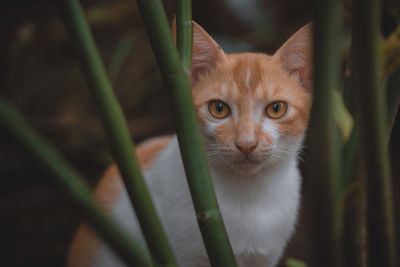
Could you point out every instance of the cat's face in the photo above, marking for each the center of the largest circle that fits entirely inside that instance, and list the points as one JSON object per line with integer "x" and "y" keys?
{"x": 253, "y": 108}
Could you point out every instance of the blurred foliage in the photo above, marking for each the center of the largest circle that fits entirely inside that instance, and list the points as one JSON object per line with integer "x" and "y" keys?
{"x": 392, "y": 52}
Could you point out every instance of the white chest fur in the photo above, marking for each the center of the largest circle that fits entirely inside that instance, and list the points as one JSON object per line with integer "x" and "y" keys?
{"x": 259, "y": 212}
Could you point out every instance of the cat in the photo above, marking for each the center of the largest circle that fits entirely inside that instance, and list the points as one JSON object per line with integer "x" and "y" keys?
{"x": 253, "y": 111}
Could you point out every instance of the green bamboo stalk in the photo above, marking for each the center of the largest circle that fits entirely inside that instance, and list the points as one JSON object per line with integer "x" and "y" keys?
{"x": 380, "y": 224}
{"x": 208, "y": 214}
{"x": 354, "y": 226}
{"x": 118, "y": 135}
{"x": 354, "y": 172}
{"x": 12, "y": 123}
{"x": 325, "y": 162}
{"x": 184, "y": 33}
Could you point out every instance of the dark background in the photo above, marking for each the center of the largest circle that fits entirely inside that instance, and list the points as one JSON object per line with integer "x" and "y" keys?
{"x": 40, "y": 75}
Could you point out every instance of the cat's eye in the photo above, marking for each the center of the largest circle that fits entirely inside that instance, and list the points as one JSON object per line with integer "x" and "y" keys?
{"x": 276, "y": 109}
{"x": 218, "y": 109}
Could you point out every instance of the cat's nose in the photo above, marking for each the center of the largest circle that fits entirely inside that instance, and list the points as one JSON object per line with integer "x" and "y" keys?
{"x": 246, "y": 147}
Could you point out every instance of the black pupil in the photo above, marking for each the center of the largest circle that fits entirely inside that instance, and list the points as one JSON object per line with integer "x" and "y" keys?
{"x": 276, "y": 107}
{"x": 220, "y": 106}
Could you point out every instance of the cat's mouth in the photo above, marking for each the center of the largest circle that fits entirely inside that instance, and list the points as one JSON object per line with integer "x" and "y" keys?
{"x": 247, "y": 161}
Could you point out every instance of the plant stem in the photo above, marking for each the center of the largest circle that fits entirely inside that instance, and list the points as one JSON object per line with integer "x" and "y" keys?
{"x": 68, "y": 179}
{"x": 354, "y": 223}
{"x": 184, "y": 33}
{"x": 380, "y": 224}
{"x": 208, "y": 214}
{"x": 325, "y": 162}
{"x": 118, "y": 135}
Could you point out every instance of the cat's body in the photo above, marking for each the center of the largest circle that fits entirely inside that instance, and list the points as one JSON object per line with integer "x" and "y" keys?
{"x": 253, "y": 110}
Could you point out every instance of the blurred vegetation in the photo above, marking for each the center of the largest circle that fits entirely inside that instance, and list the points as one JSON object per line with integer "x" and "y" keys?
{"x": 40, "y": 75}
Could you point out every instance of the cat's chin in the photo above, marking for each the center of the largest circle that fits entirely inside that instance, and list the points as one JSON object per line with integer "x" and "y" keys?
{"x": 246, "y": 166}
{"x": 247, "y": 162}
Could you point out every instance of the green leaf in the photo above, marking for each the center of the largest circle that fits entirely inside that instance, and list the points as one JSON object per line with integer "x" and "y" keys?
{"x": 341, "y": 116}
{"x": 295, "y": 263}
{"x": 120, "y": 54}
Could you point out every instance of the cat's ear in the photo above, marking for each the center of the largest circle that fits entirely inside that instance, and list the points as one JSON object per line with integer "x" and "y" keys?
{"x": 206, "y": 52}
{"x": 296, "y": 55}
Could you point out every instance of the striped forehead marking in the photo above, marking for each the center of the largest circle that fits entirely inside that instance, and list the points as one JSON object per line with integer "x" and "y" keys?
{"x": 247, "y": 73}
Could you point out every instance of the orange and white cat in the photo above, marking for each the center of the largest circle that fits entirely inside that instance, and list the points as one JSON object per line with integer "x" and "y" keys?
{"x": 253, "y": 110}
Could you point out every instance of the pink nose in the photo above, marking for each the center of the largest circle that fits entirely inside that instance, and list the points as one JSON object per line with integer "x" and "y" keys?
{"x": 246, "y": 147}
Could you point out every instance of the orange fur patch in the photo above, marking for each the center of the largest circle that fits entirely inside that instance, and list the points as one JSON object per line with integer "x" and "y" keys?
{"x": 148, "y": 150}
{"x": 106, "y": 194}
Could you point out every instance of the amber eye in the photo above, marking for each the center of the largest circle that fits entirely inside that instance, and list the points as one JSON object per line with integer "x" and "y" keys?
{"x": 276, "y": 110}
{"x": 218, "y": 109}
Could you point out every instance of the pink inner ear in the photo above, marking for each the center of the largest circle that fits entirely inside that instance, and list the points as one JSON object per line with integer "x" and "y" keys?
{"x": 206, "y": 52}
{"x": 296, "y": 55}
{"x": 304, "y": 76}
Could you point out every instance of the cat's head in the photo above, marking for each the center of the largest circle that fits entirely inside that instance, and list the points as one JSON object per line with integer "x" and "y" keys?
{"x": 253, "y": 108}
